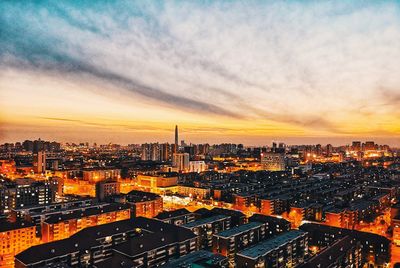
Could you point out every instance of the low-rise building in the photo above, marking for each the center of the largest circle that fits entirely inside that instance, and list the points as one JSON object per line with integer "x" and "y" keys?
{"x": 375, "y": 249}
{"x": 158, "y": 184}
{"x": 237, "y": 217}
{"x": 205, "y": 228}
{"x": 229, "y": 242}
{"x": 14, "y": 238}
{"x": 143, "y": 204}
{"x": 177, "y": 217}
{"x": 345, "y": 252}
{"x": 139, "y": 243}
{"x": 106, "y": 189}
{"x": 194, "y": 192}
{"x": 60, "y": 226}
{"x": 285, "y": 250}
{"x": 201, "y": 258}
{"x": 274, "y": 226}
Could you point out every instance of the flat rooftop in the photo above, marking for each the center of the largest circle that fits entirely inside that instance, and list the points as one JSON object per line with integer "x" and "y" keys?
{"x": 266, "y": 246}
{"x": 197, "y": 259}
{"x": 239, "y": 229}
{"x": 205, "y": 221}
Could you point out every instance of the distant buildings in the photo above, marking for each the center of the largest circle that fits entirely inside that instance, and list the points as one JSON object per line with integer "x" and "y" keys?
{"x": 273, "y": 161}
{"x": 159, "y": 152}
{"x": 39, "y": 162}
{"x": 158, "y": 183}
{"x": 284, "y": 189}
{"x": 176, "y": 140}
{"x": 101, "y": 174}
{"x": 197, "y": 166}
{"x": 181, "y": 161}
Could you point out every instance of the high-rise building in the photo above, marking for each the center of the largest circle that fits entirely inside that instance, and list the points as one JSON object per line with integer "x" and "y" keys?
{"x": 155, "y": 152}
{"x": 39, "y": 162}
{"x": 176, "y": 139}
{"x": 369, "y": 146}
{"x": 181, "y": 161}
{"x": 151, "y": 151}
{"x": 145, "y": 152}
{"x": 329, "y": 149}
{"x": 165, "y": 152}
{"x": 356, "y": 146}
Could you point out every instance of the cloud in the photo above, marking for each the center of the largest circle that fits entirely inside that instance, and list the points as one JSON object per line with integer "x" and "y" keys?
{"x": 307, "y": 64}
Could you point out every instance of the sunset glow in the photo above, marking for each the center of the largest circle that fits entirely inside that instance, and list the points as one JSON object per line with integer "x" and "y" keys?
{"x": 224, "y": 71}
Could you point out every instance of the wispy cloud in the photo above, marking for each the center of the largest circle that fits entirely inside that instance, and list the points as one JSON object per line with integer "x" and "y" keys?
{"x": 311, "y": 64}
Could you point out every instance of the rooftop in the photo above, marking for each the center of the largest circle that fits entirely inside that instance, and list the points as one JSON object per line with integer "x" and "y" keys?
{"x": 8, "y": 226}
{"x": 266, "y": 246}
{"x": 239, "y": 229}
{"x": 330, "y": 254}
{"x": 196, "y": 259}
{"x": 205, "y": 221}
{"x": 144, "y": 234}
{"x": 85, "y": 212}
{"x": 139, "y": 196}
{"x": 170, "y": 214}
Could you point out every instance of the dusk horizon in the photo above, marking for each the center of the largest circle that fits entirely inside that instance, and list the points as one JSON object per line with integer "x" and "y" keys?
{"x": 261, "y": 70}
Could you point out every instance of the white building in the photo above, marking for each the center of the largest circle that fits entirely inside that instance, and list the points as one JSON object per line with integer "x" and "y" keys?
{"x": 197, "y": 166}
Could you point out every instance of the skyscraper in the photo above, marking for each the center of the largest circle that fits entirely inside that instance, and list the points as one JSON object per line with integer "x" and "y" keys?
{"x": 176, "y": 139}
{"x": 39, "y": 162}
{"x": 181, "y": 161}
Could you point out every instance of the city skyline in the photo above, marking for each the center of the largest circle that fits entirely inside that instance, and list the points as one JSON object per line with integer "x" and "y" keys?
{"x": 127, "y": 72}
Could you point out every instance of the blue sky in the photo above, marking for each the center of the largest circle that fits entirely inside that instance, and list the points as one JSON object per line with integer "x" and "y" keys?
{"x": 253, "y": 71}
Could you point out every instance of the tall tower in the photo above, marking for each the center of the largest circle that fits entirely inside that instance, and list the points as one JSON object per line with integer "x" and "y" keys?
{"x": 39, "y": 162}
{"x": 176, "y": 137}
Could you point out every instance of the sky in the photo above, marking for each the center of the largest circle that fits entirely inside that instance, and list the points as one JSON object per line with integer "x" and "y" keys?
{"x": 253, "y": 72}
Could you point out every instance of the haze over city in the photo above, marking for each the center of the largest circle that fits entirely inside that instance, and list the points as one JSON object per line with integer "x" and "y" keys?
{"x": 301, "y": 72}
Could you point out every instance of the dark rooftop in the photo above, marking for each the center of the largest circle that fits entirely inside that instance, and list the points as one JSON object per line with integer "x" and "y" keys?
{"x": 171, "y": 214}
{"x": 85, "y": 212}
{"x": 148, "y": 232}
{"x": 8, "y": 226}
{"x": 198, "y": 259}
{"x": 330, "y": 254}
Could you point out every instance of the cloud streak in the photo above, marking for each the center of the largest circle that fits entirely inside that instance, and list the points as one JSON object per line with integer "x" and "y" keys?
{"x": 315, "y": 65}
